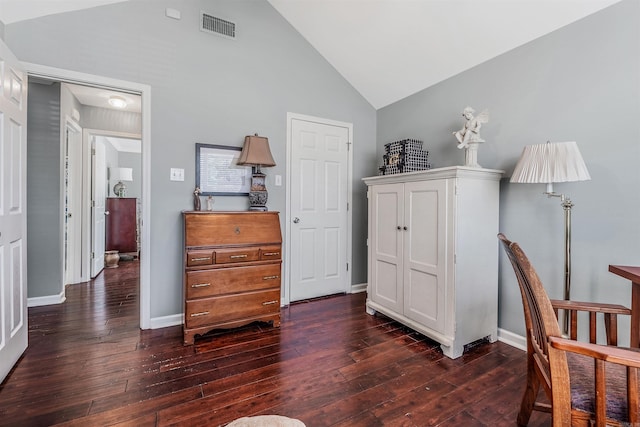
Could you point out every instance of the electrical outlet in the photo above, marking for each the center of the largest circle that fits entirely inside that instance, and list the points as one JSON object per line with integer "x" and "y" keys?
{"x": 177, "y": 174}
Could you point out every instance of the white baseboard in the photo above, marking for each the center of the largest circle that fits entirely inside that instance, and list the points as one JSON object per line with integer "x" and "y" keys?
{"x": 48, "y": 300}
{"x": 360, "y": 287}
{"x": 166, "y": 321}
{"x": 514, "y": 340}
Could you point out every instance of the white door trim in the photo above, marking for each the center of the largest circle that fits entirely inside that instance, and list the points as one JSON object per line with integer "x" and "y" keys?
{"x": 72, "y": 258}
{"x": 286, "y": 294}
{"x": 70, "y": 76}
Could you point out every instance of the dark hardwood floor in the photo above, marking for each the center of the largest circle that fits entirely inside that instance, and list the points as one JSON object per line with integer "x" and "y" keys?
{"x": 330, "y": 364}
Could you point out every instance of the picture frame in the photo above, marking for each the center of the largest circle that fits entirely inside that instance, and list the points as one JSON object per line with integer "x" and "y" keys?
{"x": 217, "y": 171}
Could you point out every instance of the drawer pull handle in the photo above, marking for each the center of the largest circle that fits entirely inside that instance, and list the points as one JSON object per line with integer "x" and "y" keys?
{"x": 238, "y": 256}
{"x": 206, "y": 258}
{"x": 271, "y": 253}
{"x": 202, "y": 313}
{"x": 270, "y": 302}
{"x": 270, "y": 277}
{"x": 200, "y": 285}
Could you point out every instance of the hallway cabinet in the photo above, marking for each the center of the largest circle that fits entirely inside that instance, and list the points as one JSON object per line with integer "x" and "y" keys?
{"x": 121, "y": 225}
{"x": 433, "y": 253}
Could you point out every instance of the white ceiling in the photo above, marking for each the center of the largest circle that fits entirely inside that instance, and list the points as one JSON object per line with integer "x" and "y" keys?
{"x": 390, "y": 49}
{"x": 124, "y": 144}
{"x": 19, "y": 10}
{"x": 97, "y": 97}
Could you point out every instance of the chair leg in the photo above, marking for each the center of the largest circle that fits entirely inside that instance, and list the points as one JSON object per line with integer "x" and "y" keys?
{"x": 530, "y": 395}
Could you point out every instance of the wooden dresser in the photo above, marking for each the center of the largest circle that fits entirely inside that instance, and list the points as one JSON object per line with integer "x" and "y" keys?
{"x": 232, "y": 269}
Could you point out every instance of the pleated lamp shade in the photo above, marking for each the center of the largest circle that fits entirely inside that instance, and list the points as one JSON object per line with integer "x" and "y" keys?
{"x": 550, "y": 162}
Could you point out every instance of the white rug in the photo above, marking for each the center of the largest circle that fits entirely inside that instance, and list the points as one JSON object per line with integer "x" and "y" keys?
{"x": 266, "y": 421}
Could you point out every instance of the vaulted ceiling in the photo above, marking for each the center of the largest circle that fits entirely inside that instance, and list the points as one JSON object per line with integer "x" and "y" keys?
{"x": 390, "y": 49}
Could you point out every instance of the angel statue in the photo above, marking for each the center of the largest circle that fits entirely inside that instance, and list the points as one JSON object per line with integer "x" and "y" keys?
{"x": 469, "y": 136}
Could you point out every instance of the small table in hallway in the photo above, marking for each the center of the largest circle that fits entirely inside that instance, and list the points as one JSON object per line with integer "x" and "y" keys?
{"x": 633, "y": 274}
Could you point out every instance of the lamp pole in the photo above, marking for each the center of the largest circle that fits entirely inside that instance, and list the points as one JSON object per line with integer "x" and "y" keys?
{"x": 566, "y": 206}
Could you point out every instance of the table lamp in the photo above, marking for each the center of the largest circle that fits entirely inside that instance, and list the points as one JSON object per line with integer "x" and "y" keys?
{"x": 122, "y": 174}
{"x": 256, "y": 153}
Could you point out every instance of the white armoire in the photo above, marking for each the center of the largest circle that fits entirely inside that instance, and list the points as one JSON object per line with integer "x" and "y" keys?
{"x": 433, "y": 253}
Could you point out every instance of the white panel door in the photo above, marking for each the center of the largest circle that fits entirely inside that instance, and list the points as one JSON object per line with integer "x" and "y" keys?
{"x": 72, "y": 204}
{"x": 387, "y": 221}
{"x": 13, "y": 188}
{"x": 98, "y": 201}
{"x": 424, "y": 252}
{"x": 319, "y": 162}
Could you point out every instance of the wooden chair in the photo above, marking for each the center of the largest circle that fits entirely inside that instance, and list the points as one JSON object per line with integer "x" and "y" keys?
{"x": 586, "y": 383}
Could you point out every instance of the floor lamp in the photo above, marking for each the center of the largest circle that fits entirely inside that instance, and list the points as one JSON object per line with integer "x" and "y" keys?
{"x": 546, "y": 164}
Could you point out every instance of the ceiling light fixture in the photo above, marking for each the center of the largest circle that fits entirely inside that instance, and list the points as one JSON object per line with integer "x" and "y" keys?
{"x": 117, "y": 101}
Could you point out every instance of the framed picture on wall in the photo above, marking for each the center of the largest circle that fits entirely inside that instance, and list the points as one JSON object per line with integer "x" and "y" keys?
{"x": 217, "y": 172}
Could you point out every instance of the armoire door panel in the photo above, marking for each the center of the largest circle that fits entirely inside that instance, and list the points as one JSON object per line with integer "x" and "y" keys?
{"x": 386, "y": 290}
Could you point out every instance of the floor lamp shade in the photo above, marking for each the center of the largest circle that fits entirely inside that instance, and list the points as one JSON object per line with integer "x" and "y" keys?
{"x": 550, "y": 162}
{"x": 256, "y": 153}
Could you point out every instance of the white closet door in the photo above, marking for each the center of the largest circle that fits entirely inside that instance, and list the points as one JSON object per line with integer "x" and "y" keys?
{"x": 13, "y": 215}
{"x": 319, "y": 161}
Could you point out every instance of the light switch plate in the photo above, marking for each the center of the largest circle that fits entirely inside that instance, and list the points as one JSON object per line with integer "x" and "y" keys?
{"x": 278, "y": 180}
{"x": 177, "y": 174}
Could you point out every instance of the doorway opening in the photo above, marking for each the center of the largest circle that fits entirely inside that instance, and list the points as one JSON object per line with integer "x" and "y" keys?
{"x": 115, "y": 205}
{"x": 86, "y": 119}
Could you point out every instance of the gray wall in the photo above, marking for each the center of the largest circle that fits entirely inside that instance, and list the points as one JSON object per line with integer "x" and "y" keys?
{"x": 580, "y": 83}
{"x": 111, "y": 163}
{"x": 44, "y": 213}
{"x": 133, "y": 161}
{"x": 205, "y": 89}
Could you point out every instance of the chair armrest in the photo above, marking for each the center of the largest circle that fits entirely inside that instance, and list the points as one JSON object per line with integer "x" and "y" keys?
{"x": 622, "y": 356}
{"x": 590, "y": 307}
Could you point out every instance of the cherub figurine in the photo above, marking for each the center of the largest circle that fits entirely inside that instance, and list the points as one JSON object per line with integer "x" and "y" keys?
{"x": 470, "y": 133}
{"x": 196, "y": 199}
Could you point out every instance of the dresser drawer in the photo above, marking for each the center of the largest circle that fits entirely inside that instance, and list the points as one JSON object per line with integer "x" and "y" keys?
{"x": 225, "y": 256}
{"x": 206, "y": 283}
{"x": 200, "y": 258}
{"x": 270, "y": 252}
{"x": 231, "y": 228}
{"x": 208, "y": 311}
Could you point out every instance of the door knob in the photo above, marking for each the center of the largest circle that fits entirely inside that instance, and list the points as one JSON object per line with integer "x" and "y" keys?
{"x": 296, "y": 220}
{"x": 106, "y": 212}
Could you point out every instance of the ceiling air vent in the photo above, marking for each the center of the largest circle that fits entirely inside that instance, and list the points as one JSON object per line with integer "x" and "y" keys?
{"x": 218, "y": 26}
